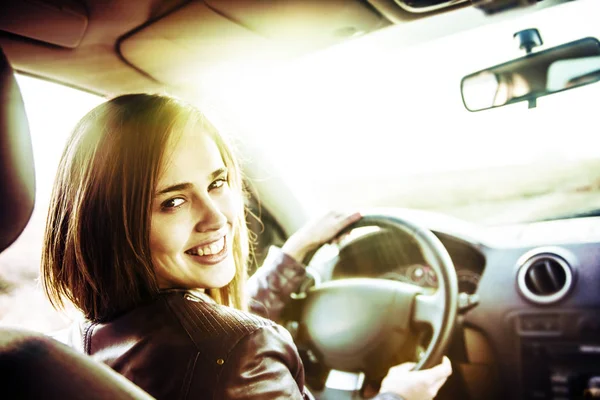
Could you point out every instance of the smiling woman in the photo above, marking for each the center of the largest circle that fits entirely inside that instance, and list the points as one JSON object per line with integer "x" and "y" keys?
{"x": 132, "y": 208}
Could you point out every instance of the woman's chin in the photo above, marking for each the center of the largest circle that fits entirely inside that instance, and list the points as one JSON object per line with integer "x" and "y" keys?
{"x": 221, "y": 274}
{"x": 195, "y": 275}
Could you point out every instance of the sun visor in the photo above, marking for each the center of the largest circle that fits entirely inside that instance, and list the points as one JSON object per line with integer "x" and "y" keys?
{"x": 61, "y": 22}
{"x": 206, "y": 40}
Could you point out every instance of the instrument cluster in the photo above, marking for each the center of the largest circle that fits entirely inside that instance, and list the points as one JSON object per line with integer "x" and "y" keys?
{"x": 425, "y": 276}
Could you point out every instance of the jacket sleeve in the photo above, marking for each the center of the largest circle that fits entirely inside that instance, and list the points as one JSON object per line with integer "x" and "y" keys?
{"x": 263, "y": 365}
{"x": 272, "y": 284}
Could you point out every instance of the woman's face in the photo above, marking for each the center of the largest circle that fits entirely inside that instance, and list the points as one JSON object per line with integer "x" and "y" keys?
{"x": 193, "y": 212}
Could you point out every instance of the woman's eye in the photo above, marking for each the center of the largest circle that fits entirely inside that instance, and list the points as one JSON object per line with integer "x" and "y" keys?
{"x": 173, "y": 203}
{"x": 219, "y": 183}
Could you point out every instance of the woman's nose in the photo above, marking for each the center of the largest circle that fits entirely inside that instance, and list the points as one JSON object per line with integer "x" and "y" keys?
{"x": 209, "y": 216}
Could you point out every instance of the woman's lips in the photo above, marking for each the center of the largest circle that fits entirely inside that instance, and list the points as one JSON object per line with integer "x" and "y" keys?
{"x": 210, "y": 259}
{"x": 209, "y": 248}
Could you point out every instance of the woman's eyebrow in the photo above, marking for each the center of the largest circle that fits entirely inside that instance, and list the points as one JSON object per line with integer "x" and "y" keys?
{"x": 175, "y": 188}
{"x": 218, "y": 172}
{"x": 187, "y": 185}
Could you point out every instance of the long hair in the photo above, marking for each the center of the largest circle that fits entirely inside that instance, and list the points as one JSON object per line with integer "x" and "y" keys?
{"x": 96, "y": 250}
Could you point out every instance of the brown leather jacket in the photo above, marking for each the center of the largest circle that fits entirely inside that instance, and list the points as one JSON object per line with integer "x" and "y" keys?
{"x": 184, "y": 346}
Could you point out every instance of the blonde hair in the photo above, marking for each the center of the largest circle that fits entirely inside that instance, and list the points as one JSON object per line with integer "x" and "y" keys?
{"x": 96, "y": 250}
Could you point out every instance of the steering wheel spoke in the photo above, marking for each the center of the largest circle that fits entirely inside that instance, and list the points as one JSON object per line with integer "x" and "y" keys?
{"x": 429, "y": 309}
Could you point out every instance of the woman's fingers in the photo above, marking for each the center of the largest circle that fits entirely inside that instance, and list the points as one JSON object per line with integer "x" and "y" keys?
{"x": 407, "y": 366}
{"x": 442, "y": 370}
{"x": 416, "y": 385}
{"x": 342, "y": 221}
{"x": 317, "y": 232}
{"x": 437, "y": 376}
{"x": 326, "y": 228}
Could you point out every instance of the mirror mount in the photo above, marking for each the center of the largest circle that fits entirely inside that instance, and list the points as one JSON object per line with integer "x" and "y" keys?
{"x": 528, "y": 39}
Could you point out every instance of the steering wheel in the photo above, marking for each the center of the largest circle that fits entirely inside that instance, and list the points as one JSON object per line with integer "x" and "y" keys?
{"x": 363, "y": 324}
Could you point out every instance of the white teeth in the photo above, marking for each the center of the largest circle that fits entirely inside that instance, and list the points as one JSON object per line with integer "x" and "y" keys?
{"x": 207, "y": 251}
{"x": 211, "y": 249}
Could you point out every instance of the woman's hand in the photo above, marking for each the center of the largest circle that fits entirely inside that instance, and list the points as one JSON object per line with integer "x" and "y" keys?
{"x": 416, "y": 385}
{"x": 317, "y": 232}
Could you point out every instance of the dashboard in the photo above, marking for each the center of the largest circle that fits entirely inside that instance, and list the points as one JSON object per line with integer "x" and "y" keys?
{"x": 535, "y": 333}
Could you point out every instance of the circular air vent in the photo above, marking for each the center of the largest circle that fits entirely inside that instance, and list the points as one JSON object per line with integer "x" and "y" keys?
{"x": 544, "y": 277}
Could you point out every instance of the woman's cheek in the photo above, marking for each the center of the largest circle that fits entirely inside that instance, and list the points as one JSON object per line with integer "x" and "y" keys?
{"x": 168, "y": 232}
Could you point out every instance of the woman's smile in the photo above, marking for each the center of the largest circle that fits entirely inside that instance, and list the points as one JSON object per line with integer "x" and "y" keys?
{"x": 210, "y": 253}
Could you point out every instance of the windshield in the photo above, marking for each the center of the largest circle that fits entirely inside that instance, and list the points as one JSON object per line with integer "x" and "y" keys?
{"x": 374, "y": 123}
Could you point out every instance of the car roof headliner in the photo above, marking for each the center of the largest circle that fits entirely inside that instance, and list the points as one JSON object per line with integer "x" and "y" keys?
{"x": 114, "y": 27}
{"x": 165, "y": 45}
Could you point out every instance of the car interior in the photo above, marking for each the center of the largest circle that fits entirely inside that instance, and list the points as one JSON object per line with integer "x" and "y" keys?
{"x": 465, "y": 132}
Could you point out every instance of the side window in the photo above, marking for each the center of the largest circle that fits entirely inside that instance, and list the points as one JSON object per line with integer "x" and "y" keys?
{"x": 264, "y": 232}
{"x": 52, "y": 112}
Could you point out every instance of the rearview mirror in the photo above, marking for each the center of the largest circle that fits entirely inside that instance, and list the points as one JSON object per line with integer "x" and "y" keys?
{"x": 537, "y": 74}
